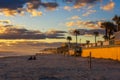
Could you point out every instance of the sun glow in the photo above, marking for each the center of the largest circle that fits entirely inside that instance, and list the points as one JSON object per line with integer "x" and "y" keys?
{"x": 2, "y": 30}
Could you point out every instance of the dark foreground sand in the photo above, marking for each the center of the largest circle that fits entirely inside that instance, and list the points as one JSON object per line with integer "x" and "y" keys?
{"x": 58, "y": 67}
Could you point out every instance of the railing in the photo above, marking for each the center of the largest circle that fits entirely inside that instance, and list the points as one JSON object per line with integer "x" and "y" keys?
{"x": 110, "y": 43}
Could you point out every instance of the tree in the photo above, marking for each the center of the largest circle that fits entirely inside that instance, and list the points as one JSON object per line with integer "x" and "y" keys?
{"x": 110, "y": 28}
{"x": 69, "y": 39}
{"x": 96, "y": 34}
{"x": 116, "y": 19}
{"x": 76, "y": 32}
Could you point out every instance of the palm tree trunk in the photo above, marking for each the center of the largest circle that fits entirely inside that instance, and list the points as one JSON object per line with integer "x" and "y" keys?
{"x": 69, "y": 43}
{"x": 106, "y": 32}
{"x": 109, "y": 36}
{"x": 76, "y": 40}
{"x": 95, "y": 41}
{"x": 118, "y": 26}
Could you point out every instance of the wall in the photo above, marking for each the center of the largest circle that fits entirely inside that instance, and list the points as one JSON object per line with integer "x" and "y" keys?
{"x": 106, "y": 52}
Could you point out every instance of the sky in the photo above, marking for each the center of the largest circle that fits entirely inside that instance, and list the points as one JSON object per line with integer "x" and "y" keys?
{"x": 34, "y": 22}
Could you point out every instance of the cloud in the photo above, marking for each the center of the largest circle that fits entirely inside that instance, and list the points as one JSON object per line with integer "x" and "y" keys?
{"x": 90, "y": 6}
{"x": 83, "y": 3}
{"x": 30, "y": 43}
{"x": 55, "y": 34}
{"x": 20, "y": 33}
{"x": 14, "y": 7}
{"x": 70, "y": 24}
{"x": 12, "y": 4}
{"x": 50, "y": 5}
{"x": 25, "y": 47}
{"x": 86, "y": 1}
{"x": 79, "y": 5}
{"x": 75, "y": 17}
{"x": 68, "y": 8}
{"x": 13, "y": 32}
{"x": 8, "y": 12}
{"x": 80, "y": 24}
{"x": 109, "y": 6}
{"x": 89, "y": 12}
{"x": 33, "y": 4}
{"x": 34, "y": 12}
{"x": 5, "y": 21}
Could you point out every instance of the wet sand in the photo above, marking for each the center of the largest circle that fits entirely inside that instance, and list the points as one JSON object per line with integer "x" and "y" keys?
{"x": 58, "y": 67}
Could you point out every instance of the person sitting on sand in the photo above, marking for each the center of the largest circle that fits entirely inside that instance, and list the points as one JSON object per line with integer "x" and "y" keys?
{"x": 32, "y": 58}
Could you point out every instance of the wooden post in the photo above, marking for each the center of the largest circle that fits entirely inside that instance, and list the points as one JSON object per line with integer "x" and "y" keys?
{"x": 90, "y": 60}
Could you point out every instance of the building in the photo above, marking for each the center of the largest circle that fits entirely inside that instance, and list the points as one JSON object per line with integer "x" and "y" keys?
{"x": 117, "y": 38}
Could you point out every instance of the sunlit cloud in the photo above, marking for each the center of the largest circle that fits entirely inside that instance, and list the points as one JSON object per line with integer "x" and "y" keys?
{"x": 12, "y": 8}
{"x": 80, "y": 24}
{"x": 70, "y": 24}
{"x": 83, "y": 3}
{"x": 67, "y": 8}
{"x": 9, "y": 12}
{"x": 20, "y": 33}
{"x": 109, "y": 6}
{"x": 50, "y": 5}
{"x": 90, "y": 6}
{"x": 55, "y": 34}
{"x": 25, "y": 47}
{"x": 14, "y": 32}
{"x": 33, "y": 4}
{"x": 19, "y": 7}
{"x": 34, "y": 12}
{"x": 75, "y": 17}
{"x": 5, "y": 22}
{"x": 89, "y": 12}
{"x": 79, "y": 5}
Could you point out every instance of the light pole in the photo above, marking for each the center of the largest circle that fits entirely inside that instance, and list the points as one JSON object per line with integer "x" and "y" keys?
{"x": 80, "y": 42}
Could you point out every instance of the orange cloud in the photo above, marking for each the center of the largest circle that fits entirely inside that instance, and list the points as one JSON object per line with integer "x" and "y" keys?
{"x": 90, "y": 6}
{"x": 50, "y": 5}
{"x": 9, "y": 12}
{"x": 34, "y": 12}
{"x": 82, "y": 3}
{"x": 13, "y": 32}
{"x": 68, "y": 8}
{"x": 81, "y": 24}
{"x": 75, "y": 17}
{"x": 5, "y": 22}
{"x": 79, "y": 5}
{"x": 20, "y": 7}
{"x": 70, "y": 24}
{"x": 55, "y": 34}
{"x": 109, "y": 6}
{"x": 89, "y": 12}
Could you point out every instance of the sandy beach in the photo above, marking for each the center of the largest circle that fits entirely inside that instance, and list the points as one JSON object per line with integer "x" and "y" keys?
{"x": 58, "y": 67}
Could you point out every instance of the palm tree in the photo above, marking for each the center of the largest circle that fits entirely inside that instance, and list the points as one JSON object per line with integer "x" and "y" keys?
{"x": 96, "y": 34}
{"x": 109, "y": 29}
{"x": 69, "y": 38}
{"x": 116, "y": 19}
{"x": 76, "y": 32}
